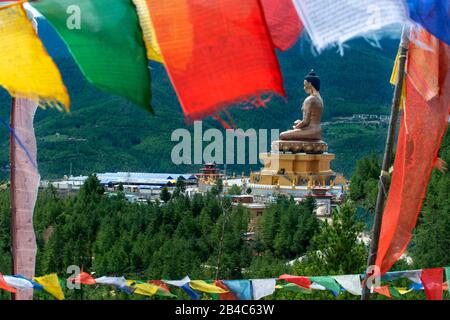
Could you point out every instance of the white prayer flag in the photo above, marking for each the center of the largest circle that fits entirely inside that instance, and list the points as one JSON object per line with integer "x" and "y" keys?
{"x": 179, "y": 283}
{"x": 336, "y": 21}
{"x": 263, "y": 287}
{"x": 351, "y": 283}
{"x": 18, "y": 283}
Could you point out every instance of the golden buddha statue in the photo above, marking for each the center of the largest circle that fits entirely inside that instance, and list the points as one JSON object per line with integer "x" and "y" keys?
{"x": 306, "y": 134}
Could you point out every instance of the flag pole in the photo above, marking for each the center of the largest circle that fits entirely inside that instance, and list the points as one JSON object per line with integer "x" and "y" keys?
{"x": 387, "y": 159}
{"x": 12, "y": 166}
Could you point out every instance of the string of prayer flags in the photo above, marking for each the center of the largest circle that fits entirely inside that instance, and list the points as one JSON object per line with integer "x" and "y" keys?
{"x": 433, "y": 16}
{"x": 432, "y": 280}
{"x": 209, "y": 69}
{"x": 422, "y": 127}
{"x": 241, "y": 288}
{"x": 283, "y": 22}
{"x": 105, "y": 39}
{"x": 263, "y": 287}
{"x": 202, "y": 286}
{"x": 351, "y": 283}
{"x": 27, "y": 71}
{"x": 50, "y": 283}
{"x": 5, "y": 286}
{"x": 298, "y": 280}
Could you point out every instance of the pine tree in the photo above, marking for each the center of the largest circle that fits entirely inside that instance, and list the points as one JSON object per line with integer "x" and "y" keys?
{"x": 336, "y": 248}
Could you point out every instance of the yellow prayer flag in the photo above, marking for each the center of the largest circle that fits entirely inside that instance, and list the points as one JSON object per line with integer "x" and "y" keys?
{"x": 145, "y": 289}
{"x": 26, "y": 69}
{"x": 153, "y": 50}
{"x": 51, "y": 285}
{"x": 403, "y": 290}
{"x": 202, "y": 286}
{"x": 394, "y": 77}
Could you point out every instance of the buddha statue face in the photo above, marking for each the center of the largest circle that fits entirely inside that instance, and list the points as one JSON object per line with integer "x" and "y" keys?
{"x": 308, "y": 87}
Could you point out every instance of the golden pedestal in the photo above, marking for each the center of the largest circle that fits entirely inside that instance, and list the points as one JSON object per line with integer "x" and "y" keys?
{"x": 286, "y": 169}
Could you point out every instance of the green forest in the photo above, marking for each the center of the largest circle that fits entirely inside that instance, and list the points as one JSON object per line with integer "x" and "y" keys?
{"x": 110, "y": 236}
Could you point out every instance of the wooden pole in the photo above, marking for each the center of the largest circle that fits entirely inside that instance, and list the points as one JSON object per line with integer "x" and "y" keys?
{"x": 387, "y": 159}
{"x": 12, "y": 166}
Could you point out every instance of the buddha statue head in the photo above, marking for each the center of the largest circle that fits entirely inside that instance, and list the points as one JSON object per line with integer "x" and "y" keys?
{"x": 311, "y": 83}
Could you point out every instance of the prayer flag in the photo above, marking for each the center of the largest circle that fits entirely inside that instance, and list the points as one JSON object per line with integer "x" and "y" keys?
{"x": 433, "y": 16}
{"x": 422, "y": 127}
{"x": 202, "y": 286}
{"x": 51, "y": 285}
{"x": 432, "y": 280}
{"x": 351, "y": 283}
{"x": 83, "y": 278}
{"x": 294, "y": 288}
{"x": 394, "y": 292}
{"x": 145, "y": 289}
{"x": 241, "y": 288}
{"x": 384, "y": 290}
{"x": 328, "y": 282}
{"x": 18, "y": 283}
{"x": 5, "y": 286}
{"x": 225, "y": 296}
{"x": 27, "y": 71}
{"x": 263, "y": 287}
{"x": 209, "y": 69}
{"x": 153, "y": 51}
{"x": 413, "y": 275}
{"x": 106, "y": 41}
{"x": 336, "y": 21}
{"x": 283, "y": 22}
{"x": 298, "y": 280}
{"x": 447, "y": 276}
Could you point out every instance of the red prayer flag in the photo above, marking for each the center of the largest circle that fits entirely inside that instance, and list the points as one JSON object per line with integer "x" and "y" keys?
{"x": 225, "y": 296}
{"x": 160, "y": 284}
{"x": 298, "y": 280}
{"x": 384, "y": 290}
{"x": 84, "y": 278}
{"x": 283, "y": 21}
{"x": 5, "y": 286}
{"x": 422, "y": 127}
{"x": 432, "y": 280}
{"x": 217, "y": 53}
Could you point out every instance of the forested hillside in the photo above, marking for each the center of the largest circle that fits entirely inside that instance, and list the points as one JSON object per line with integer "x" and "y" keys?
{"x": 107, "y": 133}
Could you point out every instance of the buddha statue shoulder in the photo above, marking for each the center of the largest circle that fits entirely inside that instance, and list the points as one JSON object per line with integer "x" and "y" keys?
{"x": 309, "y": 127}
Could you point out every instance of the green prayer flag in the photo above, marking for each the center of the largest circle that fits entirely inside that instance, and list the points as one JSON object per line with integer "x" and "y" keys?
{"x": 105, "y": 39}
{"x": 447, "y": 277}
{"x": 394, "y": 292}
{"x": 327, "y": 282}
{"x": 295, "y": 288}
